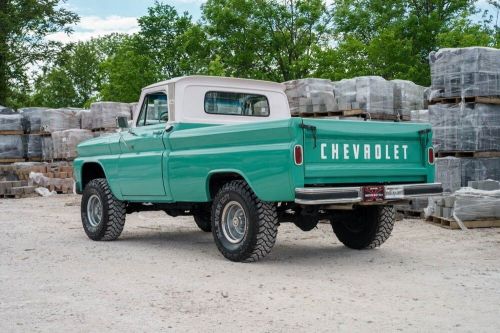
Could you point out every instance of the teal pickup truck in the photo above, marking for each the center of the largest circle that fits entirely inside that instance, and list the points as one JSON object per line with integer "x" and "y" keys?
{"x": 227, "y": 152}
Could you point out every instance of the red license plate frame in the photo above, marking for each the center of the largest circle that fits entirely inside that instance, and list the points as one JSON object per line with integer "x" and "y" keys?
{"x": 373, "y": 193}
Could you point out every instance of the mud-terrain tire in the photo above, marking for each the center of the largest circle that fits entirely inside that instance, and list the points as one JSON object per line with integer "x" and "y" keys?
{"x": 103, "y": 216}
{"x": 366, "y": 228}
{"x": 203, "y": 220}
{"x": 243, "y": 226}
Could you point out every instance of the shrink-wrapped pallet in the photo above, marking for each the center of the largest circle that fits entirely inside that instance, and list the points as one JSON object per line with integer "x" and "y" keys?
{"x": 6, "y": 110}
{"x": 372, "y": 94}
{"x": 479, "y": 169}
{"x": 32, "y": 118}
{"x": 11, "y": 122}
{"x": 65, "y": 142}
{"x": 449, "y": 173}
{"x": 408, "y": 96}
{"x": 473, "y": 205}
{"x": 86, "y": 119}
{"x": 53, "y": 120}
{"x": 12, "y": 146}
{"x": 310, "y": 96}
{"x": 104, "y": 114}
{"x": 420, "y": 116}
{"x": 33, "y": 146}
{"x": 465, "y": 127}
{"x": 47, "y": 148}
{"x": 465, "y": 72}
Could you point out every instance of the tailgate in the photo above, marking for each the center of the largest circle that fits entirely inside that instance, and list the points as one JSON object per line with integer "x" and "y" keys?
{"x": 365, "y": 152}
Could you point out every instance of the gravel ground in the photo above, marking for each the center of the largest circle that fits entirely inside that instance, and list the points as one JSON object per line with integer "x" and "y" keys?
{"x": 163, "y": 274}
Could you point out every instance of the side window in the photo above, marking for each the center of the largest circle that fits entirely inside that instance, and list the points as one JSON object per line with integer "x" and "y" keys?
{"x": 238, "y": 104}
{"x": 154, "y": 110}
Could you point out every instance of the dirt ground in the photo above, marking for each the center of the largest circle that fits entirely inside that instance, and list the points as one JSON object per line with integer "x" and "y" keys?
{"x": 163, "y": 274}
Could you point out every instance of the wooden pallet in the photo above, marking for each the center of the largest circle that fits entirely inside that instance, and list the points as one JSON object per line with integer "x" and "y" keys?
{"x": 11, "y": 132}
{"x": 410, "y": 213}
{"x": 450, "y": 223}
{"x": 474, "y": 154}
{"x": 11, "y": 160}
{"x": 342, "y": 113}
{"x": 378, "y": 116}
{"x": 476, "y": 99}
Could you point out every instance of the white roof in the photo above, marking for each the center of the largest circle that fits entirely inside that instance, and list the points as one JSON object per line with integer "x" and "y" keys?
{"x": 217, "y": 80}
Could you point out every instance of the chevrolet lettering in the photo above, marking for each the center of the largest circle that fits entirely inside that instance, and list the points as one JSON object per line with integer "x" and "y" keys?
{"x": 227, "y": 152}
{"x": 357, "y": 151}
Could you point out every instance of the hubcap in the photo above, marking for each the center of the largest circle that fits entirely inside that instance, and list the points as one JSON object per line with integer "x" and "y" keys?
{"x": 94, "y": 210}
{"x": 234, "y": 222}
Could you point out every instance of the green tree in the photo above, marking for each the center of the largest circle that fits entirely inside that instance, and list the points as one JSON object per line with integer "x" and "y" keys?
{"x": 267, "y": 39}
{"x": 162, "y": 39}
{"x": 24, "y": 24}
{"x": 394, "y": 37}
{"x": 127, "y": 72}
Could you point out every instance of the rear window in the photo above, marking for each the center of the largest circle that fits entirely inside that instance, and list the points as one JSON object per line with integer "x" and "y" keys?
{"x": 236, "y": 104}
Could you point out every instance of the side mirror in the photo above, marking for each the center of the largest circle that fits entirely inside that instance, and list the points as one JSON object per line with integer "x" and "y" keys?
{"x": 122, "y": 122}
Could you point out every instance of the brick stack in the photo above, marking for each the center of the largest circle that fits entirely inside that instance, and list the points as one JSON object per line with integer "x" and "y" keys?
{"x": 464, "y": 112}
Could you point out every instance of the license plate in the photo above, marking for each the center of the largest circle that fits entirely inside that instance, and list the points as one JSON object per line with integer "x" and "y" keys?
{"x": 373, "y": 193}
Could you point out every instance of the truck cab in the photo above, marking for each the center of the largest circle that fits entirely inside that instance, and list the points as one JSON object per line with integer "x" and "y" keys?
{"x": 228, "y": 152}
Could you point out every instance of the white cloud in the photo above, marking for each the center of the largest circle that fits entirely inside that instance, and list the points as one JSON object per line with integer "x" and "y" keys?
{"x": 94, "y": 26}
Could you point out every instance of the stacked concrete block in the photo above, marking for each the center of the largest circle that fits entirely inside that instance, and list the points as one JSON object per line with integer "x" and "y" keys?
{"x": 6, "y": 110}
{"x": 465, "y": 127}
{"x": 12, "y": 147}
{"x": 408, "y": 96}
{"x": 478, "y": 204}
{"x": 449, "y": 173}
{"x": 310, "y": 96}
{"x": 32, "y": 118}
{"x": 11, "y": 123}
{"x": 372, "y": 94}
{"x": 33, "y": 146}
{"x": 465, "y": 72}
{"x": 53, "y": 120}
{"x": 86, "y": 119}
{"x": 419, "y": 116}
{"x": 19, "y": 180}
{"x": 104, "y": 114}
{"x": 65, "y": 142}
{"x": 476, "y": 169}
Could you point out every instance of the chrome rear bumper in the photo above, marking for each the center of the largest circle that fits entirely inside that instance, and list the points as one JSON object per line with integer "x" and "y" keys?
{"x": 343, "y": 195}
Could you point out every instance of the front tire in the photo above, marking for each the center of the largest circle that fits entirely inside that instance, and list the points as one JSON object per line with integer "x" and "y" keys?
{"x": 365, "y": 227}
{"x": 103, "y": 216}
{"x": 243, "y": 226}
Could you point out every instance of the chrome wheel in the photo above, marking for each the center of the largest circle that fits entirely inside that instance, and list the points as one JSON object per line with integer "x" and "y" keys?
{"x": 94, "y": 210}
{"x": 234, "y": 222}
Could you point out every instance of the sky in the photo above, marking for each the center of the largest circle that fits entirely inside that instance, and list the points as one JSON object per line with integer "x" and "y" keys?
{"x": 102, "y": 17}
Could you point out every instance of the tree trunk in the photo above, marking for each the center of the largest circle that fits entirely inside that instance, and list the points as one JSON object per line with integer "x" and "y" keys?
{"x": 3, "y": 53}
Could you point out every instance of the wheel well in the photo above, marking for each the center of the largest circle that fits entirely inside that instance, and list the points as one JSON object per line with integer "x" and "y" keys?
{"x": 91, "y": 171}
{"x": 218, "y": 180}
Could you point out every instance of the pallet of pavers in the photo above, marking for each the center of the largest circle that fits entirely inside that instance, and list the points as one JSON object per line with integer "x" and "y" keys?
{"x": 21, "y": 179}
{"x": 475, "y": 206}
{"x": 16, "y": 189}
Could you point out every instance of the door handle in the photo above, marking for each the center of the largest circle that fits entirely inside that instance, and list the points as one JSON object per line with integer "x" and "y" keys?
{"x": 158, "y": 132}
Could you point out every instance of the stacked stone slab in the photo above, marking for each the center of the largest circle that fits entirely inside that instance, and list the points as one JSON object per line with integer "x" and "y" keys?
{"x": 310, "y": 96}
{"x": 465, "y": 72}
{"x": 372, "y": 94}
{"x": 19, "y": 180}
{"x": 104, "y": 114}
{"x": 460, "y": 77}
{"x": 465, "y": 126}
{"x": 65, "y": 142}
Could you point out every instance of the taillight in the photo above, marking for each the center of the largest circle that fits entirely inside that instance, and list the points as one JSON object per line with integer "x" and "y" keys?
{"x": 431, "y": 155}
{"x": 298, "y": 155}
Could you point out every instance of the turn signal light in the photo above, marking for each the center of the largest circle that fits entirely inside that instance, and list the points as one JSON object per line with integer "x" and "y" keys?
{"x": 431, "y": 155}
{"x": 298, "y": 155}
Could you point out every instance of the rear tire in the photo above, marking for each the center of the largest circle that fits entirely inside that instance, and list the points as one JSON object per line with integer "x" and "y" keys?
{"x": 243, "y": 226}
{"x": 366, "y": 227}
{"x": 103, "y": 216}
